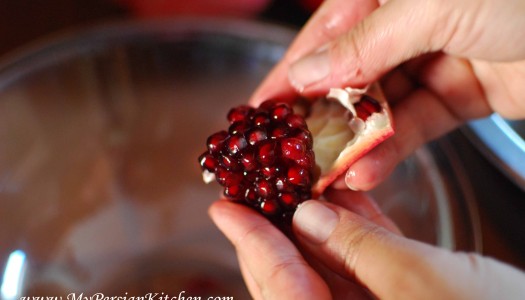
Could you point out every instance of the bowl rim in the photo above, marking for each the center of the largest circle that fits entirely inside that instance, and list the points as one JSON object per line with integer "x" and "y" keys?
{"x": 71, "y": 41}
{"x": 501, "y": 145}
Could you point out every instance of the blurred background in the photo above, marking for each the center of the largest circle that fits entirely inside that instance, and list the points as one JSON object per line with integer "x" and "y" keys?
{"x": 24, "y": 20}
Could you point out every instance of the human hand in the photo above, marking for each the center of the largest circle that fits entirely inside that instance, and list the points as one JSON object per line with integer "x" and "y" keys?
{"x": 345, "y": 255}
{"x": 441, "y": 63}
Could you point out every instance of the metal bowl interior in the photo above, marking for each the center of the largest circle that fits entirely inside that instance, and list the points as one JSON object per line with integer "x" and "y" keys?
{"x": 503, "y": 143}
{"x": 99, "y": 183}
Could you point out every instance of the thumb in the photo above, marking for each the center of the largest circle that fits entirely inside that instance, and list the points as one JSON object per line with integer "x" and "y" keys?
{"x": 394, "y": 33}
{"x": 391, "y": 266}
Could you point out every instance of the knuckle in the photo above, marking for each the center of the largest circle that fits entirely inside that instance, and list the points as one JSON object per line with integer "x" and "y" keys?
{"x": 350, "y": 51}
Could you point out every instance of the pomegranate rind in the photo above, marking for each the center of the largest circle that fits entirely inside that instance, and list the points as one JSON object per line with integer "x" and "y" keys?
{"x": 378, "y": 128}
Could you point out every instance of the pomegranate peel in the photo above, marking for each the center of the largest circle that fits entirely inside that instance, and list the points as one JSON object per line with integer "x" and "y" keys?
{"x": 280, "y": 154}
{"x": 340, "y": 141}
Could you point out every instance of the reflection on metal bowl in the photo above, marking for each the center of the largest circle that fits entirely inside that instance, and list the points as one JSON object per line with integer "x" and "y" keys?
{"x": 99, "y": 183}
{"x": 503, "y": 142}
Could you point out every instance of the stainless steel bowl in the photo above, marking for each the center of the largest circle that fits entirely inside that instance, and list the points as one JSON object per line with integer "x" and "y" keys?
{"x": 100, "y": 190}
{"x": 503, "y": 143}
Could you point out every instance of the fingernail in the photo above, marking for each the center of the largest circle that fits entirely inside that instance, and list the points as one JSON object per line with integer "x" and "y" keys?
{"x": 309, "y": 69}
{"x": 350, "y": 175}
{"x": 315, "y": 221}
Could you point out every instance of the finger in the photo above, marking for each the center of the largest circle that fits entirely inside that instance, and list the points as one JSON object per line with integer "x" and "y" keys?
{"x": 332, "y": 19}
{"x": 275, "y": 264}
{"x": 252, "y": 286}
{"x": 360, "y": 56}
{"x": 451, "y": 95}
{"x": 388, "y": 264}
{"x": 362, "y": 204}
{"x": 397, "y": 85}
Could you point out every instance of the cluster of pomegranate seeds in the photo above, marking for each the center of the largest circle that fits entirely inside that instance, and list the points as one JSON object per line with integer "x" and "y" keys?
{"x": 264, "y": 160}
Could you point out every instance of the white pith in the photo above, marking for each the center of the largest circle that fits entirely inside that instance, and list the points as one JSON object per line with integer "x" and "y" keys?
{"x": 334, "y": 130}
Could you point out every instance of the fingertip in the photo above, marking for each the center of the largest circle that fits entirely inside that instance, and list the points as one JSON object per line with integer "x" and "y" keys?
{"x": 373, "y": 168}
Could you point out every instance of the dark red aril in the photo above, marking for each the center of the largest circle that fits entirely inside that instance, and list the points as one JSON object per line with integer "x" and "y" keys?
{"x": 236, "y": 143}
{"x": 227, "y": 178}
{"x": 280, "y": 111}
{"x": 305, "y": 136}
{"x": 295, "y": 121}
{"x": 288, "y": 199}
{"x": 256, "y": 135}
{"x": 306, "y": 160}
{"x": 208, "y": 162}
{"x": 293, "y": 148}
{"x": 234, "y": 192}
{"x": 261, "y": 119}
{"x": 298, "y": 176}
{"x": 266, "y": 152}
{"x": 269, "y": 207}
{"x": 279, "y": 132}
{"x": 270, "y": 171}
{"x": 249, "y": 160}
{"x": 264, "y": 188}
{"x": 215, "y": 141}
{"x": 230, "y": 163}
{"x": 239, "y": 127}
{"x": 239, "y": 113}
{"x": 366, "y": 107}
{"x": 251, "y": 196}
{"x": 251, "y": 177}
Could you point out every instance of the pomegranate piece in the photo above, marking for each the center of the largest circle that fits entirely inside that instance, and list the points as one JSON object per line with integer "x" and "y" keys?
{"x": 272, "y": 157}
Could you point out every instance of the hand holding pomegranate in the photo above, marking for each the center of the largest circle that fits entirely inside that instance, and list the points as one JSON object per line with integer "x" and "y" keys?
{"x": 441, "y": 63}
{"x": 340, "y": 254}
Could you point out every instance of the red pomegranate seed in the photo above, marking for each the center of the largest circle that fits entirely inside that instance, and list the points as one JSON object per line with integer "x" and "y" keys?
{"x": 230, "y": 163}
{"x": 249, "y": 160}
{"x": 295, "y": 121}
{"x": 289, "y": 200}
{"x": 235, "y": 192}
{"x": 279, "y": 132}
{"x": 366, "y": 107}
{"x": 270, "y": 171}
{"x": 236, "y": 143}
{"x": 250, "y": 177}
{"x": 221, "y": 174}
{"x": 305, "y": 136}
{"x": 239, "y": 113}
{"x": 307, "y": 160}
{"x": 264, "y": 188}
{"x": 239, "y": 127}
{"x": 371, "y": 104}
{"x": 256, "y": 135}
{"x": 266, "y": 152}
{"x": 298, "y": 176}
{"x": 215, "y": 141}
{"x": 251, "y": 196}
{"x": 208, "y": 162}
{"x": 261, "y": 119}
{"x": 269, "y": 207}
{"x": 280, "y": 111}
{"x": 227, "y": 178}
{"x": 293, "y": 148}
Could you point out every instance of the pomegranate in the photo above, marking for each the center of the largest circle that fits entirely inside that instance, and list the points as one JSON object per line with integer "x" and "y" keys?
{"x": 279, "y": 154}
